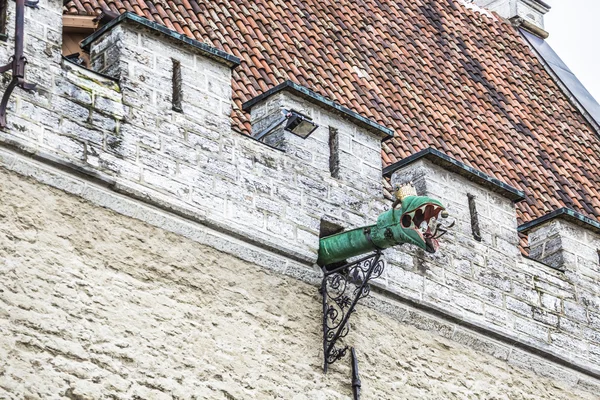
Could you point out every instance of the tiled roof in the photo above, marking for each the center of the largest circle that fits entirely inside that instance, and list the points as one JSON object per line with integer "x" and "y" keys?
{"x": 438, "y": 73}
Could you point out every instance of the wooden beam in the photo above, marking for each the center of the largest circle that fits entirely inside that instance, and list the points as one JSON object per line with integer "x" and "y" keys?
{"x": 73, "y": 23}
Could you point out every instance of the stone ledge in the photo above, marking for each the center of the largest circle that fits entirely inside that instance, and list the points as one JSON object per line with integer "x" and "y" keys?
{"x": 452, "y": 323}
{"x": 321, "y": 101}
{"x": 130, "y": 191}
{"x": 563, "y": 213}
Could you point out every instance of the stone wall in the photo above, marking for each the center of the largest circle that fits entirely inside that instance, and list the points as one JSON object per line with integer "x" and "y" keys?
{"x": 97, "y": 305}
{"x": 489, "y": 283}
{"x": 126, "y": 132}
{"x": 265, "y": 206}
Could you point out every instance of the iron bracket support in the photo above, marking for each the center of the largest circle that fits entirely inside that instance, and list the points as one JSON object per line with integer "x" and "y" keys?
{"x": 342, "y": 287}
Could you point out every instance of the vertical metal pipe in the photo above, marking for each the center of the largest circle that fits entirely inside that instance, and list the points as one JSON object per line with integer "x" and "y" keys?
{"x": 355, "y": 376}
{"x": 19, "y": 36}
{"x": 17, "y": 64}
{"x": 323, "y": 291}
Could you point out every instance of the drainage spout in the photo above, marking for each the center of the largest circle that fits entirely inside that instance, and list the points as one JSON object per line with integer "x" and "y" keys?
{"x": 415, "y": 222}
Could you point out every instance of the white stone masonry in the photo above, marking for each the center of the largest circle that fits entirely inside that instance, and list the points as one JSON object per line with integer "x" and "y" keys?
{"x": 123, "y": 133}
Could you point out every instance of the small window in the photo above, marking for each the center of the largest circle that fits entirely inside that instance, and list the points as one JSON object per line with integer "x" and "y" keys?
{"x": 329, "y": 228}
{"x": 474, "y": 218}
{"x": 177, "y": 94}
{"x": 334, "y": 152}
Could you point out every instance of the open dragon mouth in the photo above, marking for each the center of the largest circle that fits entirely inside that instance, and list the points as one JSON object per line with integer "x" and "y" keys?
{"x": 424, "y": 221}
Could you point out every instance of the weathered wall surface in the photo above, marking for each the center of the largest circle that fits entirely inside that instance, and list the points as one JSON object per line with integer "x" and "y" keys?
{"x": 126, "y": 134}
{"x": 490, "y": 283}
{"x": 96, "y": 305}
{"x": 192, "y": 160}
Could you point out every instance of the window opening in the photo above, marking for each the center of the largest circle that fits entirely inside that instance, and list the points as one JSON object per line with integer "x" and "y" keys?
{"x": 474, "y": 218}
{"x": 177, "y": 95}
{"x": 334, "y": 149}
{"x": 75, "y": 29}
{"x": 328, "y": 228}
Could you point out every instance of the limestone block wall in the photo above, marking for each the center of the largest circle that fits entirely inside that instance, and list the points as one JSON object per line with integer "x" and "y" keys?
{"x": 489, "y": 283}
{"x": 357, "y": 150}
{"x": 94, "y": 305}
{"x": 576, "y": 251}
{"x": 564, "y": 245}
{"x": 126, "y": 132}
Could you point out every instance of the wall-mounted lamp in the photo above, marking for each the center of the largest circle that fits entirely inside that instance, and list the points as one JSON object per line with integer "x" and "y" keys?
{"x": 299, "y": 124}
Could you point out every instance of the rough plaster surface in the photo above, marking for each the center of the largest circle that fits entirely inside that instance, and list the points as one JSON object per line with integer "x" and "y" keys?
{"x": 97, "y": 305}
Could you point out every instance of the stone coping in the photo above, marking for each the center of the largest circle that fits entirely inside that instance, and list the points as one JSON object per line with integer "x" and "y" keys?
{"x": 209, "y": 51}
{"x": 563, "y": 213}
{"x": 321, "y": 101}
{"x": 453, "y": 165}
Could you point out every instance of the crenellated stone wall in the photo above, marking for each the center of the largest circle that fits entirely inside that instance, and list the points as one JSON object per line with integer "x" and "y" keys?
{"x": 126, "y": 132}
{"x": 112, "y": 136}
{"x": 489, "y": 283}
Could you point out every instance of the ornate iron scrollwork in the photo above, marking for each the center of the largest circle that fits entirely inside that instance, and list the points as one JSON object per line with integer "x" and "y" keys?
{"x": 342, "y": 287}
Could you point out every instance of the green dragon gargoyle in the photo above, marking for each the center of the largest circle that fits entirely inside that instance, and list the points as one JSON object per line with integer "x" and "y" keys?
{"x": 415, "y": 221}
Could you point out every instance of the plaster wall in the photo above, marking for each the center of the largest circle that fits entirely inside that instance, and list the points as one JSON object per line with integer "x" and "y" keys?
{"x": 94, "y": 304}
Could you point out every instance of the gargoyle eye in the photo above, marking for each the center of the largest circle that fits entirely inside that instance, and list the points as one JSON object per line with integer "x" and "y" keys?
{"x": 406, "y": 220}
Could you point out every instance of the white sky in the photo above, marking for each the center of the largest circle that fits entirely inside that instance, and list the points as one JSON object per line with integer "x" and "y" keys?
{"x": 574, "y": 27}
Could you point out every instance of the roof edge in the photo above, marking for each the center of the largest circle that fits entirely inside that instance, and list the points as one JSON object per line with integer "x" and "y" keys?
{"x": 451, "y": 164}
{"x": 563, "y": 213}
{"x": 209, "y": 51}
{"x": 322, "y": 101}
{"x": 566, "y": 80}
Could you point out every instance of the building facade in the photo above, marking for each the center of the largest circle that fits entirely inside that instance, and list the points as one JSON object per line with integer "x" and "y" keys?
{"x": 152, "y": 247}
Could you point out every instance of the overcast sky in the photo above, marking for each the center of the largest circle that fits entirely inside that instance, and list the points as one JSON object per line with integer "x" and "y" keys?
{"x": 574, "y": 27}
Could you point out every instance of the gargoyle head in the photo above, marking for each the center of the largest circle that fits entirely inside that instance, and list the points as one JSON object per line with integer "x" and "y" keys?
{"x": 419, "y": 220}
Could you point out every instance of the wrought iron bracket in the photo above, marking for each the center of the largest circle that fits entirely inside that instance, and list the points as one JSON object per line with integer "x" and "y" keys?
{"x": 342, "y": 287}
{"x": 18, "y": 60}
